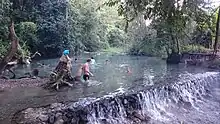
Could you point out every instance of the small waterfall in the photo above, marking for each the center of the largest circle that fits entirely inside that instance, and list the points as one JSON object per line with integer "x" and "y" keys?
{"x": 153, "y": 103}
{"x": 146, "y": 106}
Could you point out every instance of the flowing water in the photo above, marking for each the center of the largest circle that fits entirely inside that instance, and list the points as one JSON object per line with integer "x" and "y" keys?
{"x": 194, "y": 99}
{"x": 164, "y": 94}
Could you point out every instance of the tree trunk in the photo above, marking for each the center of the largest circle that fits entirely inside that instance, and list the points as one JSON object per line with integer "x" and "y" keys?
{"x": 174, "y": 57}
{"x": 13, "y": 48}
{"x": 217, "y": 33}
{"x": 167, "y": 50}
{"x": 177, "y": 45}
{"x": 126, "y": 26}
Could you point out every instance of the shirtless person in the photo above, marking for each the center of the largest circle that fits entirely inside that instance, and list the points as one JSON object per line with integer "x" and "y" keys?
{"x": 86, "y": 71}
{"x": 78, "y": 74}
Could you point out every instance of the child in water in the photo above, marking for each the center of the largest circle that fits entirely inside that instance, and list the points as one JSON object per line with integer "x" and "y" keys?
{"x": 106, "y": 61}
{"x": 92, "y": 61}
{"x": 86, "y": 71}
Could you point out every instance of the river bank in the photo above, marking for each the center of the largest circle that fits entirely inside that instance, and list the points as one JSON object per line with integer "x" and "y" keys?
{"x": 25, "y": 82}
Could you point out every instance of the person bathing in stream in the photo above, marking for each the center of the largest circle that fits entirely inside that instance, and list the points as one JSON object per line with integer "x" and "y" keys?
{"x": 78, "y": 74}
{"x": 129, "y": 70}
{"x": 92, "y": 61}
{"x": 86, "y": 71}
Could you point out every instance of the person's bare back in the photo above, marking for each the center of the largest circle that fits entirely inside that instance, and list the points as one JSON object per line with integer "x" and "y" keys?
{"x": 79, "y": 73}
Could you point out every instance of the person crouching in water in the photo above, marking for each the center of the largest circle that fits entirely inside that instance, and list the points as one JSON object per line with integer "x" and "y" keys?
{"x": 86, "y": 71}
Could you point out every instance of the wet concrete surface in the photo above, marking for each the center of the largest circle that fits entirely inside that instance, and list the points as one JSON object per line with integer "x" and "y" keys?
{"x": 16, "y": 95}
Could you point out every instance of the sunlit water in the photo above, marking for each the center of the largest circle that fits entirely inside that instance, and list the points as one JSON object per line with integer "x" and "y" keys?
{"x": 112, "y": 77}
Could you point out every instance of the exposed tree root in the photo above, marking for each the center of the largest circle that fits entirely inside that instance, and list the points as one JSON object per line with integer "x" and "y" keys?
{"x": 59, "y": 78}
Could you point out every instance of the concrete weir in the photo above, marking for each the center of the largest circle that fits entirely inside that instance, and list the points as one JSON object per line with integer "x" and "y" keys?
{"x": 152, "y": 104}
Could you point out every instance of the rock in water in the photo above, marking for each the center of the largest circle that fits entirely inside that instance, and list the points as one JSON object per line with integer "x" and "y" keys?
{"x": 59, "y": 121}
{"x": 174, "y": 58}
{"x": 51, "y": 119}
{"x": 43, "y": 118}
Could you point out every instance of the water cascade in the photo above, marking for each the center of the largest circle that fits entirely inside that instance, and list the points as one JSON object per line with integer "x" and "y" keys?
{"x": 163, "y": 103}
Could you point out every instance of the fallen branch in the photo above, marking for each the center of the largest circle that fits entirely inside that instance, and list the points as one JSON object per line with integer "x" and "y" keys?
{"x": 36, "y": 53}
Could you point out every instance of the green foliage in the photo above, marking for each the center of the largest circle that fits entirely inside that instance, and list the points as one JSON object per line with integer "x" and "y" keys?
{"x": 27, "y": 33}
{"x": 3, "y": 48}
{"x": 109, "y": 16}
{"x": 87, "y": 32}
{"x": 50, "y": 26}
{"x": 4, "y": 21}
{"x": 116, "y": 37}
{"x": 91, "y": 30}
{"x": 170, "y": 20}
{"x": 17, "y": 11}
{"x": 23, "y": 51}
{"x": 148, "y": 46}
{"x": 194, "y": 49}
{"x": 114, "y": 50}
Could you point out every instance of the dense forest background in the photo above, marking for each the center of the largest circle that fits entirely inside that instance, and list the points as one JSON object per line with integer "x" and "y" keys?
{"x": 158, "y": 28}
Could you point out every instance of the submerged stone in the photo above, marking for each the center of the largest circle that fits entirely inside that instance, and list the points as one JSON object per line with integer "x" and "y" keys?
{"x": 59, "y": 121}
{"x": 52, "y": 119}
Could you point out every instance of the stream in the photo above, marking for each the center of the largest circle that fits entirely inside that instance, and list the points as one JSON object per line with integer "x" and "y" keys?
{"x": 174, "y": 94}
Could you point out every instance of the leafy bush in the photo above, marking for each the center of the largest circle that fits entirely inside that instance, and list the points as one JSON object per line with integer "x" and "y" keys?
{"x": 116, "y": 37}
{"x": 51, "y": 26}
{"x": 3, "y": 48}
{"x": 86, "y": 31}
{"x": 194, "y": 49}
{"x": 149, "y": 46}
{"x": 27, "y": 33}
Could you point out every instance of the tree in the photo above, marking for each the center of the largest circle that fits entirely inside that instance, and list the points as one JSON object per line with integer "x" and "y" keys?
{"x": 116, "y": 37}
{"x": 52, "y": 27}
{"x": 173, "y": 15}
{"x": 9, "y": 13}
{"x": 13, "y": 48}
{"x": 217, "y": 32}
{"x": 27, "y": 33}
{"x": 86, "y": 29}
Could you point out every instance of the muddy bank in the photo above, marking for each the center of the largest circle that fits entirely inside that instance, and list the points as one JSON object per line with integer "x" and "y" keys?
{"x": 25, "y": 82}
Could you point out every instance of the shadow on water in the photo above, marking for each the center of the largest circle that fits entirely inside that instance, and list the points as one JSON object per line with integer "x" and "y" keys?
{"x": 109, "y": 78}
